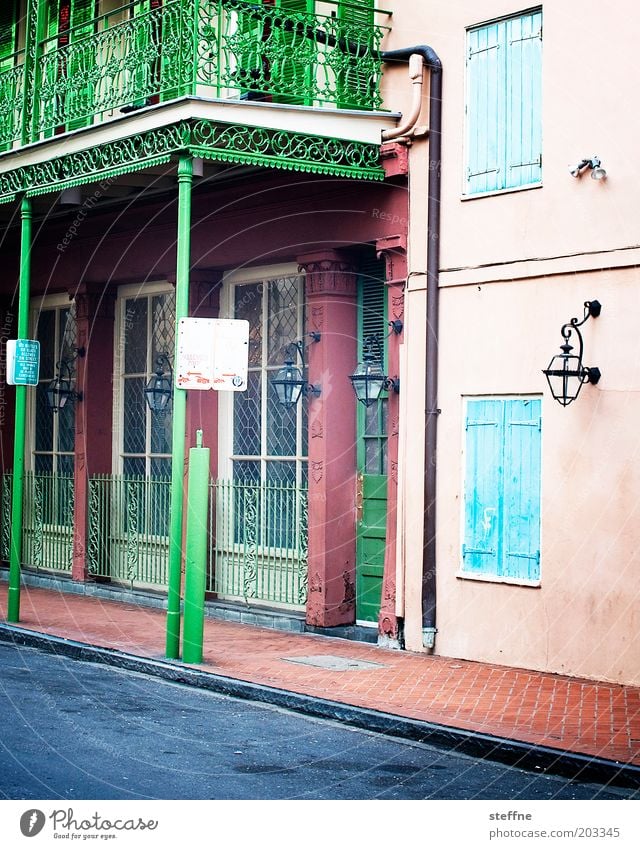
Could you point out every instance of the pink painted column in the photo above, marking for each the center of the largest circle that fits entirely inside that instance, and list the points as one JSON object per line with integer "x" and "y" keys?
{"x": 332, "y": 310}
{"x": 393, "y": 249}
{"x": 94, "y": 320}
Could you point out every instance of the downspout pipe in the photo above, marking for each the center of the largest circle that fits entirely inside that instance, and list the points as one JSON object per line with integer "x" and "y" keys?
{"x": 432, "y": 61}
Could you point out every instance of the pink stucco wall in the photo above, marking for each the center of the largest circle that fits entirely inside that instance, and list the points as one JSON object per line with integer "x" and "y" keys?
{"x": 514, "y": 267}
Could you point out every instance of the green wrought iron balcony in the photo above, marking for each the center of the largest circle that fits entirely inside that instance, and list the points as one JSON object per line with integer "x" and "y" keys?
{"x": 79, "y": 71}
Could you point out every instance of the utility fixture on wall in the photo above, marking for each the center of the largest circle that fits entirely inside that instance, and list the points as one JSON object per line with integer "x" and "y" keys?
{"x": 289, "y": 382}
{"x": 566, "y": 372}
{"x": 61, "y": 389}
{"x": 593, "y": 164}
{"x": 369, "y": 379}
{"x": 159, "y": 390}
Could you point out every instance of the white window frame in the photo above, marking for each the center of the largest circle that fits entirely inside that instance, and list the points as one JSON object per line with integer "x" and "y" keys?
{"x": 231, "y": 280}
{"x": 142, "y": 290}
{"x": 45, "y": 302}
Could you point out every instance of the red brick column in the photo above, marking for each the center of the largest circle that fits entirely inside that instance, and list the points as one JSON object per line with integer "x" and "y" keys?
{"x": 94, "y": 414}
{"x": 393, "y": 250}
{"x": 332, "y": 310}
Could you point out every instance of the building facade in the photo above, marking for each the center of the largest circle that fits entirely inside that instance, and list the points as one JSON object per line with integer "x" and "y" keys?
{"x": 216, "y": 160}
{"x": 252, "y": 160}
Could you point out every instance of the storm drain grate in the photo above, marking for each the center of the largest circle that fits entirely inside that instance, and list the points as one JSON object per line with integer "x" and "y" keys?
{"x": 335, "y": 662}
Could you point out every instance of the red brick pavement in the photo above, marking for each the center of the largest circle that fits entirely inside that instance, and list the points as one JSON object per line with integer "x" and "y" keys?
{"x": 570, "y": 714}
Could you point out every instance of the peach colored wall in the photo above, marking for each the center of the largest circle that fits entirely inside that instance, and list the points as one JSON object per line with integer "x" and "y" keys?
{"x": 500, "y": 325}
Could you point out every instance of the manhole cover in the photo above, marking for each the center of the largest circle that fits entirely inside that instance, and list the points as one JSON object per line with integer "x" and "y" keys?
{"x": 335, "y": 662}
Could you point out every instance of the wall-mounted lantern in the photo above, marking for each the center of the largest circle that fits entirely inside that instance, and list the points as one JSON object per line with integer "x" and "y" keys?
{"x": 159, "y": 390}
{"x": 61, "y": 389}
{"x": 289, "y": 382}
{"x": 566, "y": 372}
{"x": 369, "y": 379}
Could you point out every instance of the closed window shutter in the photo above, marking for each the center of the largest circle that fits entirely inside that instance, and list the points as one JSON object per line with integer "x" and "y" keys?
{"x": 486, "y": 109}
{"x": 522, "y": 489}
{"x": 8, "y": 18}
{"x": 524, "y": 95}
{"x": 504, "y": 95}
{"x": 483, "y": 486}
{"x": 297, "y": 57}
{"x": 354, "y": 79}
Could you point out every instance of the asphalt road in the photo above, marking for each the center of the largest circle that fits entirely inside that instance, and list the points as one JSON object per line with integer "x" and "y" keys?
{"x": 76, "y": 730}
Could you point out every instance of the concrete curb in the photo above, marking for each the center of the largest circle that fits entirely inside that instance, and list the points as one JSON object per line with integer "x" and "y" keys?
{"x": 526, "y": 756}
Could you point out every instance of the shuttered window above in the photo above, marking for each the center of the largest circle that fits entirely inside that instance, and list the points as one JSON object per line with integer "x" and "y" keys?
{"x": 503, "y": 108}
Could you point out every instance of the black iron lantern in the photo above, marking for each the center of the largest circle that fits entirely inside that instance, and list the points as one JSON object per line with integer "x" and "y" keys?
{"x": 61, "y": 389}
{"x": 159, "y": 390}
{"x": 369, "y": 379}
{"x": 566, "y": 373}
{"x": 289, "y": 382}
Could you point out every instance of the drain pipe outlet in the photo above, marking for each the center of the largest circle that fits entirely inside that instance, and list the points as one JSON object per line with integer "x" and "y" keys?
{"x": 416, "y": 73}
{"x": 432, "y": 61}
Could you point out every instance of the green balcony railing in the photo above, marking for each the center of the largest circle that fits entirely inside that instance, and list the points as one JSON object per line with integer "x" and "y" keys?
{"x": 47, "y": 524}
{"x": 259, "y": 542}
{"x": 136, "y": 56}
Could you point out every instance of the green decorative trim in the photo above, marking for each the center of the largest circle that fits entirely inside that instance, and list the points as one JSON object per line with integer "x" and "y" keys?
{"x": 220, "y": 142}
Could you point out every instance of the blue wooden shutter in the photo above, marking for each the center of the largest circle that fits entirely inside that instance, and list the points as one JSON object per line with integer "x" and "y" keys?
{"x": 523, "y": 49}
{"x": 483, "y": 486}
{"x": 521, "y": 520}
{"x": 485, "y": 108}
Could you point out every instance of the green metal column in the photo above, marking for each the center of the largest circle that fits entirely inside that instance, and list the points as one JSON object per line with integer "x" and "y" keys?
{"x": 13, "y": 604}
{"x": 196, "y": 552}
{"x": 185, "y": 180}
{"x": 33, "y": 36}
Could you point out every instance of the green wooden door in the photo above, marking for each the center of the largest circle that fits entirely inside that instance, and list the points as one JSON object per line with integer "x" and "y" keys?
{"x": 371, "y": 497}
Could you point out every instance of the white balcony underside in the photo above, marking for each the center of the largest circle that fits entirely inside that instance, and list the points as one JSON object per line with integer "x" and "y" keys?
{"x": 343, "y": 124}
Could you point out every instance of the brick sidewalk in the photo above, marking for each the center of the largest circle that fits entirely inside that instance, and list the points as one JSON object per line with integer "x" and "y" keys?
{"x": 568, "y": 714}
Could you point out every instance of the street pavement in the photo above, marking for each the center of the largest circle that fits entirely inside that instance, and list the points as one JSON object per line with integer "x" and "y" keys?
{"x": 539, "y": 721}
{"x": 74, "y": 730}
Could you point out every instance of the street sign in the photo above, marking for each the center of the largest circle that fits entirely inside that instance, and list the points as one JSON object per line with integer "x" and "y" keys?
{"x": 213, "y": 353}
{"x": 23, "y": 362}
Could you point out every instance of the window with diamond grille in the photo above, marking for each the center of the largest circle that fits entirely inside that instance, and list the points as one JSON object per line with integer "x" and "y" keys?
{"x": 269, "y": 440}
{"x": 147, "y": 328}
{"x": 53, "y": 433}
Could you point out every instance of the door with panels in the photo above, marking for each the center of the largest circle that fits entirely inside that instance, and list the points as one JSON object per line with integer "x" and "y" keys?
{"x": 260, "y": 500}
{"x": 129, "y": 509}
{"x": 371, "y": 452}
{"x": 48, "y": 515}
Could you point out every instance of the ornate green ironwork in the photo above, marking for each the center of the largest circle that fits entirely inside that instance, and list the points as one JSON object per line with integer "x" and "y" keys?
{"x": 5, "y": 511}
{"x": 231, "y": 49}
{"x": 212, "y": 140}
{"x": 259, "y": 549}
{"x": 132, "y": 529}
{"x": 94, "y": 534}
{"x": 303, "y": 571}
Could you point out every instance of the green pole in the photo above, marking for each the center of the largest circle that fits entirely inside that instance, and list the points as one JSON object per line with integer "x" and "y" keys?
{"x": 196, "y": 552}
{"x": 185, "y": 179}
{"x": 13, "y": 603}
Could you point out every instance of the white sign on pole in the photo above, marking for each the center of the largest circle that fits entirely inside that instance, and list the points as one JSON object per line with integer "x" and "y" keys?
{"x": 213, "y": 353}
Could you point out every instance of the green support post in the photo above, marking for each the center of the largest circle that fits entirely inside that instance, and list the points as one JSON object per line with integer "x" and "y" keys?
{"x": 13, "y": 602}
{"x": 196, "y": 552}
{"x": 185, "y": 180}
